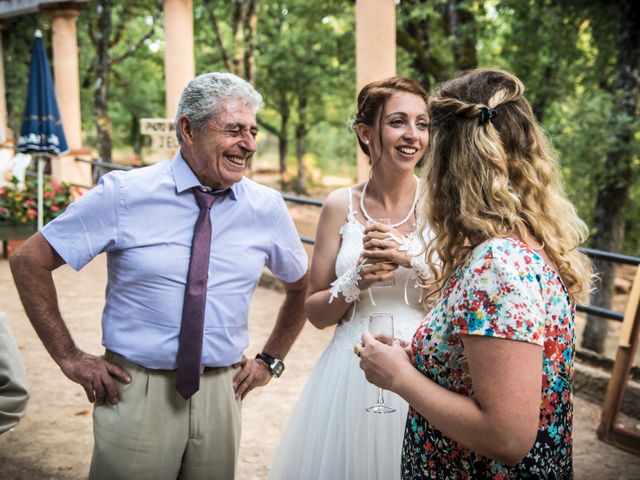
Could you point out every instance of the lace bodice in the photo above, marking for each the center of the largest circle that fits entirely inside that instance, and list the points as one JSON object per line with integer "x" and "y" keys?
{"x": 402, "y": 299}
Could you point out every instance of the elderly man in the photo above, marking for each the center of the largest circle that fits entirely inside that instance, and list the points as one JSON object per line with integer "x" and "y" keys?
{"x": 186, "y": 242}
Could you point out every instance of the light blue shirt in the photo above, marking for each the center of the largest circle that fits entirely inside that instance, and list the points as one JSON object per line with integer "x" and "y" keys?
{"x": 144, "y": 220}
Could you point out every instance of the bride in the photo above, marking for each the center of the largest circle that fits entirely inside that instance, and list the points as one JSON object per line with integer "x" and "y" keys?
{"x": 330, "y": 434}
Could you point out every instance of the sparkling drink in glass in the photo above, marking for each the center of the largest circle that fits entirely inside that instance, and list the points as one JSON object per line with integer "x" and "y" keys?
{"x": 381, "y": 327}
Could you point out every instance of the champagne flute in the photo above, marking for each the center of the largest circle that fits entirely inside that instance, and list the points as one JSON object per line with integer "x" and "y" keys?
{"x": 381, "y": 327}
{"x": 390, "y": 282}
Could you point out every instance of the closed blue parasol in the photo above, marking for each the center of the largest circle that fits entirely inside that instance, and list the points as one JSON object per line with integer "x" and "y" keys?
{"x": 41, "y": 132}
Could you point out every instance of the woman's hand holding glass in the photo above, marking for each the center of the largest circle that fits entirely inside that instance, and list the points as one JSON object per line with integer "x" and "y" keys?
{"x": 382, "y": 363}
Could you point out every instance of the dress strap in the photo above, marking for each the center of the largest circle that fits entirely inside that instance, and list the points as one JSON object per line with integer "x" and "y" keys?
{"x": 350, "y": 202}
{"x": 351, "y": 215}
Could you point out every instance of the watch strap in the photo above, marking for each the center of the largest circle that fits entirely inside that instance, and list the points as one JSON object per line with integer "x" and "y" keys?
{"x": 271, "y": 363}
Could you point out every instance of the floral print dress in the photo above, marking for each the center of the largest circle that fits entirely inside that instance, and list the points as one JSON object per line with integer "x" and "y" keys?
{"x": 505, "y": 290}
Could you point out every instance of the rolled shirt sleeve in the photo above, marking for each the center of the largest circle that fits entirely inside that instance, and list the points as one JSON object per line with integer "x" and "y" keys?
{"x": 287, "y": 259}
{"x": 89, "y": 226}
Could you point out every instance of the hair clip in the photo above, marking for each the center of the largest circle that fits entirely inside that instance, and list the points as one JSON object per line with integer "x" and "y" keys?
{"x": 487, "y": 115}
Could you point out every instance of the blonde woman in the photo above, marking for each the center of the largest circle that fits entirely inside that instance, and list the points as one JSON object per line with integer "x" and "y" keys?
{"x": 488, "y": 372}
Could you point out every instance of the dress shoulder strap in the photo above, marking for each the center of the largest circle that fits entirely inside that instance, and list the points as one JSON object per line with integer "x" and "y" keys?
{"x": 350, "y": 213}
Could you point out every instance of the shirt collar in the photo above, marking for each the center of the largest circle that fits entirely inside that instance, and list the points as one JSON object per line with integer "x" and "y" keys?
{"x": 185, "y": 179}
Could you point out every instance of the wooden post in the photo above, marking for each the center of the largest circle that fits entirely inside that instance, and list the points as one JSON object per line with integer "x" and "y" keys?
{"x": 608, "y": 430}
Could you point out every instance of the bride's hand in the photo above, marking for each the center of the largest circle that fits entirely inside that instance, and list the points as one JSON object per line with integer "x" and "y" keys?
{"x": 381, "y": 245}
{"x": 372, "y": 272}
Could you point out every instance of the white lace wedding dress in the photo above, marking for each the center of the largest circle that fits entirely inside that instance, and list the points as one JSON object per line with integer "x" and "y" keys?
{"x": 330, "y": 435}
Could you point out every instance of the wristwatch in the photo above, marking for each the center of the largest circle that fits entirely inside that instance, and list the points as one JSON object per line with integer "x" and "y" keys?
{"x": 276, "y": 367}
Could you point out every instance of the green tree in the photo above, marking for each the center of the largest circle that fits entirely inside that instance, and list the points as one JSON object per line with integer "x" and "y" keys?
{"x": 304, "y": 62}
{"x": 237, "y": 46}
{"x": 619, "y": 172}
{"x": 114, "y": 32}
{"x": 579, "y": 61}
{"x": 17, "y": 39}
{"x": 439, "y": 37}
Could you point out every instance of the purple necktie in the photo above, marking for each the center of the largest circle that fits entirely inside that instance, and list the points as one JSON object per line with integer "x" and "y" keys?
{"x": 195, "y": 300}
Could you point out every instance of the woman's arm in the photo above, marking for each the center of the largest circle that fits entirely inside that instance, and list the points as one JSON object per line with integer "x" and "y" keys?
{"x": 500, "y": 421}
{"x": 333, "y": 215}
{"x": 321, "y": 313}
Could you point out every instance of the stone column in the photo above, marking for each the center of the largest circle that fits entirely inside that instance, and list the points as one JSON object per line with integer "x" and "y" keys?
{"x": 375, "y": 51}
{"x": 67, "y": 84}
{"x": 179, "y": 59}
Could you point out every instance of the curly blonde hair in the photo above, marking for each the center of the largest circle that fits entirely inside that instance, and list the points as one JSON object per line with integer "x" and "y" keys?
{"x": 490, "y": 171}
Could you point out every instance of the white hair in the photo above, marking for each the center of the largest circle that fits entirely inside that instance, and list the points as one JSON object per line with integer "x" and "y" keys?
{"x": 203, "y": 97}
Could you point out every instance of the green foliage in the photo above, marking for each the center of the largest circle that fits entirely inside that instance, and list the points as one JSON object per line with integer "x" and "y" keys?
{"x": 335, "y": 149}
{"x": 564, "y": 51}
{"x": 566, "y": 54}
{"x": 17, "y": 39}
{"x": 305, "y": 51}
{"x": 137, "y": 82}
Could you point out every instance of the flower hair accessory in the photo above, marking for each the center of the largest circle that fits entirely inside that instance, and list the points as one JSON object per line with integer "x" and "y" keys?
{"x": 487, "y": 115}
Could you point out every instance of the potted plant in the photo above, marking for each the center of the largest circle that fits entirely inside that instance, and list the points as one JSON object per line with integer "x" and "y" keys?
{"x": 19, "y": 207}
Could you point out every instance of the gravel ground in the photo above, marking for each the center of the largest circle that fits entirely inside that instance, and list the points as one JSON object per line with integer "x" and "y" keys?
{"x": 54, "y": 440}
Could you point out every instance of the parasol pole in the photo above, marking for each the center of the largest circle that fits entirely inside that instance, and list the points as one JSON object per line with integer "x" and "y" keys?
{"x": 41, "y": 162}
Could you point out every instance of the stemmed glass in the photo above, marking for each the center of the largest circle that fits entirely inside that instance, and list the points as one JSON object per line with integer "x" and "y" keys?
{"x": 390, "y": 282}
{"x": 381, "y": 327}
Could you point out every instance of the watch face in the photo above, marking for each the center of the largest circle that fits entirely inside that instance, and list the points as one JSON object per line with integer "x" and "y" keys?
{"x": 277, "y": 368}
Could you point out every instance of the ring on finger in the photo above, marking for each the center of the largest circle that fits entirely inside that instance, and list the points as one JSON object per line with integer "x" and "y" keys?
{"x": 357, "y": 348}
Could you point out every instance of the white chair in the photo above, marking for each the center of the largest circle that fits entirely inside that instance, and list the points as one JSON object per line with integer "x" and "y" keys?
{"x": 6, "y": 166}
{"x": 20, "y": 164}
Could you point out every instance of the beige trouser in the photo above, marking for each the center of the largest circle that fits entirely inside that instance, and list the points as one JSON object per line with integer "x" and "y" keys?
{"x": 153, "y": 433}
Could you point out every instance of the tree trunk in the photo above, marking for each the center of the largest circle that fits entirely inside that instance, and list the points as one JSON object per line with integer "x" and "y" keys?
{"x": 101, "y": 89}
{"x": 301, "y": 134}
{"x": 613, "y": 191}
{"x": 461, "y": 28}
{"x": 283, "y": 141}
{"x": 210, "y": 8}
{"x": 237, "y": 25}
{"x": 543, "y": 95}
{"x": 135, "y": 137}
{"x": 413, "y": 37}
{"x": 251, "y": 29}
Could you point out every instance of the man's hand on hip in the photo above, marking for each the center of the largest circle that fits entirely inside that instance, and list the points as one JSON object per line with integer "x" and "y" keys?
{"x": 96, "y": 375}
{"x": 253, "y": 373}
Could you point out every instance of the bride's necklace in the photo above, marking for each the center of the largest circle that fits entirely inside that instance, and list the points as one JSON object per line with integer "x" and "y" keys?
{"x": 407, "y": 216}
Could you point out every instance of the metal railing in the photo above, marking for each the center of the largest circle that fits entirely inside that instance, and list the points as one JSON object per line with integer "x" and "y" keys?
{"x": 609, "y": 257}
{"x": 591, "y": 252}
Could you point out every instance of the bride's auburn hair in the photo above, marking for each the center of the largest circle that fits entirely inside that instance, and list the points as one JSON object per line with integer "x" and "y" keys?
{"x": 490, "y": 171}
{"x": 371, "y": 101}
